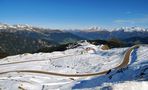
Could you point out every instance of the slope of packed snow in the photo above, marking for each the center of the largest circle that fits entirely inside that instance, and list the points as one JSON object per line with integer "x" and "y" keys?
{"x": 131, "y": 85}
{"x": 75, "y": 61}
{"x": 70, "y": 61}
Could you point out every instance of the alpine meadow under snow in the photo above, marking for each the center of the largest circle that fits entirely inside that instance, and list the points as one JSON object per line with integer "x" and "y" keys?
{"x": 77, "y": 69}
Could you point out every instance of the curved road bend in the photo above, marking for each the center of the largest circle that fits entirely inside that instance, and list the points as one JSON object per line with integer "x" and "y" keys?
{"x": 123, "y": 64}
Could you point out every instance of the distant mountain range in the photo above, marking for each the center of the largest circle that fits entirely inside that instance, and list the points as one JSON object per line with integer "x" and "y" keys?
{"x": 17, "y": 39}
{"x": 119, "y": 33}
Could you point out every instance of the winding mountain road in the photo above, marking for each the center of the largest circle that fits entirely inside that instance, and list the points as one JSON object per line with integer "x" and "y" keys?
{"x": 124, "y": 63}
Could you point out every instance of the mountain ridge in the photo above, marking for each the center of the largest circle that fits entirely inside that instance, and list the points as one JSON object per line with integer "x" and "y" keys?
{"x": 18, "y": 39}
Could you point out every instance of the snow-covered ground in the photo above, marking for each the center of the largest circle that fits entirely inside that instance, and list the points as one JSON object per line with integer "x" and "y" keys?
{"x": 76, "y": 61}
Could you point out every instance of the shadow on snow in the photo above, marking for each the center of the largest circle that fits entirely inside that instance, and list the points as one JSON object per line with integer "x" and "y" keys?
{"x": 121, "y": 75}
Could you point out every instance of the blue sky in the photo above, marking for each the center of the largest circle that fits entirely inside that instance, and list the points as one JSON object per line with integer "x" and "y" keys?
{"x": 65, "y": 14}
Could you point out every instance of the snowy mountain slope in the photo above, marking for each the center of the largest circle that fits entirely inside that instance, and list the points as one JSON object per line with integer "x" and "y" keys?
{"x": 77, "y": 60}
{"x": 74, "y": 61}
{"x": 136, "y": 70}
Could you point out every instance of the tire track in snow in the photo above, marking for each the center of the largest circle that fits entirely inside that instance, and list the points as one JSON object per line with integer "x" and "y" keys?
{"x": 37, "y": 60}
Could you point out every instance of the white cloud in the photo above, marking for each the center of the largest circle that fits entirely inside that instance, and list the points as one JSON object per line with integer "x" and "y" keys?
{"x": 133, "y": 21}
{"x": 124, "y": 21}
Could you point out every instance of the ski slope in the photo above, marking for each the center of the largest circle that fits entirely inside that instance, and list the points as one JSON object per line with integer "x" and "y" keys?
{"x": 41, "y": 71}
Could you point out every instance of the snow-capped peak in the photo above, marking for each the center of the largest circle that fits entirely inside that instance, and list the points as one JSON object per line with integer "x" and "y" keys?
{"x": 18, "y": 26}
{"x": 22, "y": 26}
{"x": 125, "y": 29}
{"x": 130, "y": 29}
{"x": 94, "y": 28}
{"x": 3, "y": 26}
